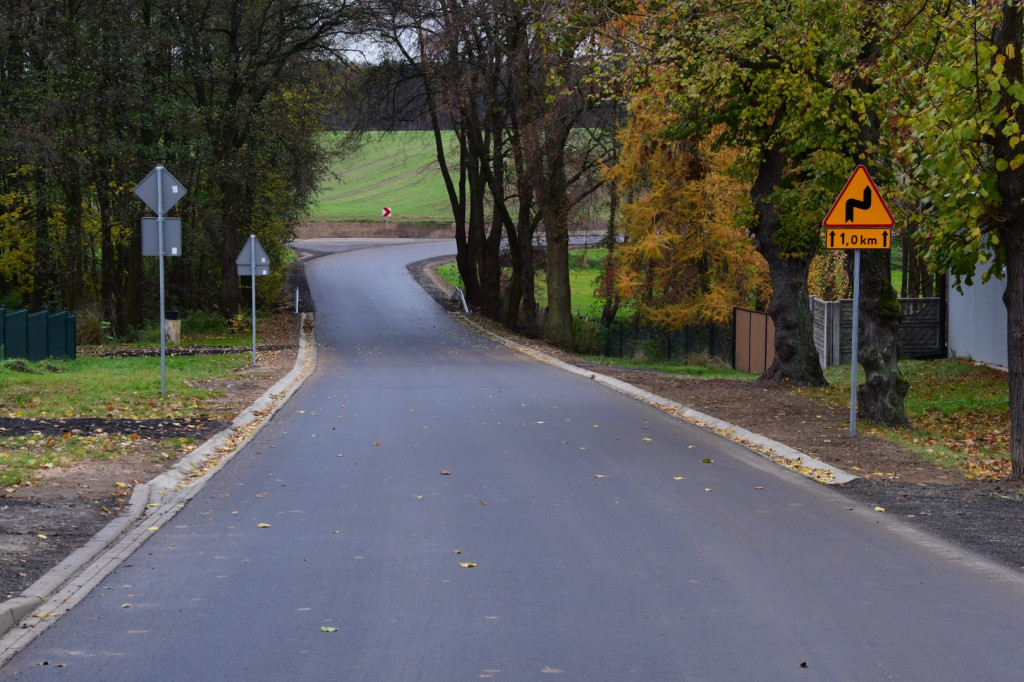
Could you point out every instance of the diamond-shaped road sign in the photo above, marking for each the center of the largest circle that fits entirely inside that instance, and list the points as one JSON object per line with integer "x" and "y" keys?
{"x": 252, "y": 253}
{"x": 170, "y": 189}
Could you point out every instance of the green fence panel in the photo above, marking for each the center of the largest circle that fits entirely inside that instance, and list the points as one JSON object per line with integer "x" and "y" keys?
{"x": 71, "y": 337}
{"x": 36, "y": 324}
{"x": 16, "y": 334}
{"x": 56, "y": 335}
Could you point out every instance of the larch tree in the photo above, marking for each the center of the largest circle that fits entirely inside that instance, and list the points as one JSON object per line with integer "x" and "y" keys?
{"x": 686, "y": 259}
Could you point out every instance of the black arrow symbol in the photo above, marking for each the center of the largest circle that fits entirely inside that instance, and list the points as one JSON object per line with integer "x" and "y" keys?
{"x": 831, "y": 239}
{"x": 853, "y": 203}
{"x": 885, "y": 239}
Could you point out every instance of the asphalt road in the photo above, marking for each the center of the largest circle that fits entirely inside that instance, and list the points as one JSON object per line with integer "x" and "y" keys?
{"x": 443, "y": 508}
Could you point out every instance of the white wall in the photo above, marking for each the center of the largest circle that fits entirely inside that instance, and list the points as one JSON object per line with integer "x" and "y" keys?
{"x": 977, "y": 321}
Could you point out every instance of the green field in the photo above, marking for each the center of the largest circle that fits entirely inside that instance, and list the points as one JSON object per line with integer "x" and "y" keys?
{"x": 397, "y": 170}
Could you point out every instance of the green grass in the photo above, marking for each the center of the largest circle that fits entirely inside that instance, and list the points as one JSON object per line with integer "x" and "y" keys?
{"x": 959, "y": 413}
{"x": 397, "y": 170}
{"x": 703, "y": 370}
{"x": 111, "y": 387}
{"x": 126, "y": 388}
{"x": 583, "y": 280}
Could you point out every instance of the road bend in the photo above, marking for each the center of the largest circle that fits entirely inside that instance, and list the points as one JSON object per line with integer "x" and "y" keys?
{"x": 431, "y": 505}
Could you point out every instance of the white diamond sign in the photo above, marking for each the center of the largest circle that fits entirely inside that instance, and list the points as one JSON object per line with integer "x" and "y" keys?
{"x": 160, "y": 184}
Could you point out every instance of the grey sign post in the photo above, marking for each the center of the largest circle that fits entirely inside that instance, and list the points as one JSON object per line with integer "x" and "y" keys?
{"x": 161, "y": 191}
{"x": 253, "y": 261}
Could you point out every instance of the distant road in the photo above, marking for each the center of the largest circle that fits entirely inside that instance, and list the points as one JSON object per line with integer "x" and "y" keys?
{"x": 439, "y": 507}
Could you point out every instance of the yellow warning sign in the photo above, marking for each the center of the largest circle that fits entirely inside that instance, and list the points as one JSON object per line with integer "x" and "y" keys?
{"x": 858, "y": 238}
{"x": 859, "y": 204}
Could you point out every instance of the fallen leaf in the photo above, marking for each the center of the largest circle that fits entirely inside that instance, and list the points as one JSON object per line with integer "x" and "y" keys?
{"x": 327, "y": 628}
{"x": 880, "y": 509}
{"x": 647, "y": 440}
{"x": 600, "y": 476}
{"x": 678, "y": 478}
{"x": 458, "y": 551}
{"x": 41, "y": 536}
{"x": 707, "y": 490}
{"x": 758, "y": 487}
{"x": 706, "y": 460}
{"x": 446, "y": 473}
{"x": 467, "y": 564}
{"x": 153, "y": 528}
{"x": 263, "y": 525}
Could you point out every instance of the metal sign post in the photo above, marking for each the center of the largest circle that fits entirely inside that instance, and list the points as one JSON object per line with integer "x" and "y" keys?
{"x": 853, "y": 343}
{"x": 252, "y": 269}
{"x": 859, "y": 219}
{"x": 160, "y": 191}
{"x": 253, "y": 261}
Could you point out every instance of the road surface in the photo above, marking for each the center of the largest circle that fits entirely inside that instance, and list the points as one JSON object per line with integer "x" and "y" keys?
{"x": 436, "y": 506}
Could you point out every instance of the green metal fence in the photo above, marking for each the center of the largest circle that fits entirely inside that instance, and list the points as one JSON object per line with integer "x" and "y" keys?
{"x": 39, "y": 335}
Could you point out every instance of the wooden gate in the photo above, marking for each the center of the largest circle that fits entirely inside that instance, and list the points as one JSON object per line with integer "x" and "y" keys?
{"x": 753, "y": 340}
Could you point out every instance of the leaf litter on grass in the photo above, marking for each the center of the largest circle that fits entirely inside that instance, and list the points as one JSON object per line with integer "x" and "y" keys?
{"x": 959, "y": 413}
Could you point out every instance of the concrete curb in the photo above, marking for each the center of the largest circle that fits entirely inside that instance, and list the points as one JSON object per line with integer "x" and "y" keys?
{"x": 160, "y": 498}
{"x": 779, "y": 453}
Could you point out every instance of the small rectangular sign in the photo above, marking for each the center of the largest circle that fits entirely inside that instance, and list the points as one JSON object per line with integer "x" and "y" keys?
{"x": 246, "y": 270}
{"x": 858, "y": 238}
{"x": 151, "y": 238}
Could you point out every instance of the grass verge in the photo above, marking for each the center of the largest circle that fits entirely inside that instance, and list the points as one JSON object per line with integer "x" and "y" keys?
{"x": 959, "y": 413}
{"x": 112, "y": 388}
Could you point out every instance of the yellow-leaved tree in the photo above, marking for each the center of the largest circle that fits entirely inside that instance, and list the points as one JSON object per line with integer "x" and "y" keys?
{"x": 687, "y": 258}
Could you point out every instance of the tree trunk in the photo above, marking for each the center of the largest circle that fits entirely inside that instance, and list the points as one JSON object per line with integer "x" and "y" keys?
{"x": 611, "y": 240}
{"x": 796, "y": 357}
{"x": 880, "y": 398}
{"x": 1012, "y": 238}
{"x": 1008, "y": 39}
{"x": 230, "y": 294}
{"x": 554, "y": 212}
